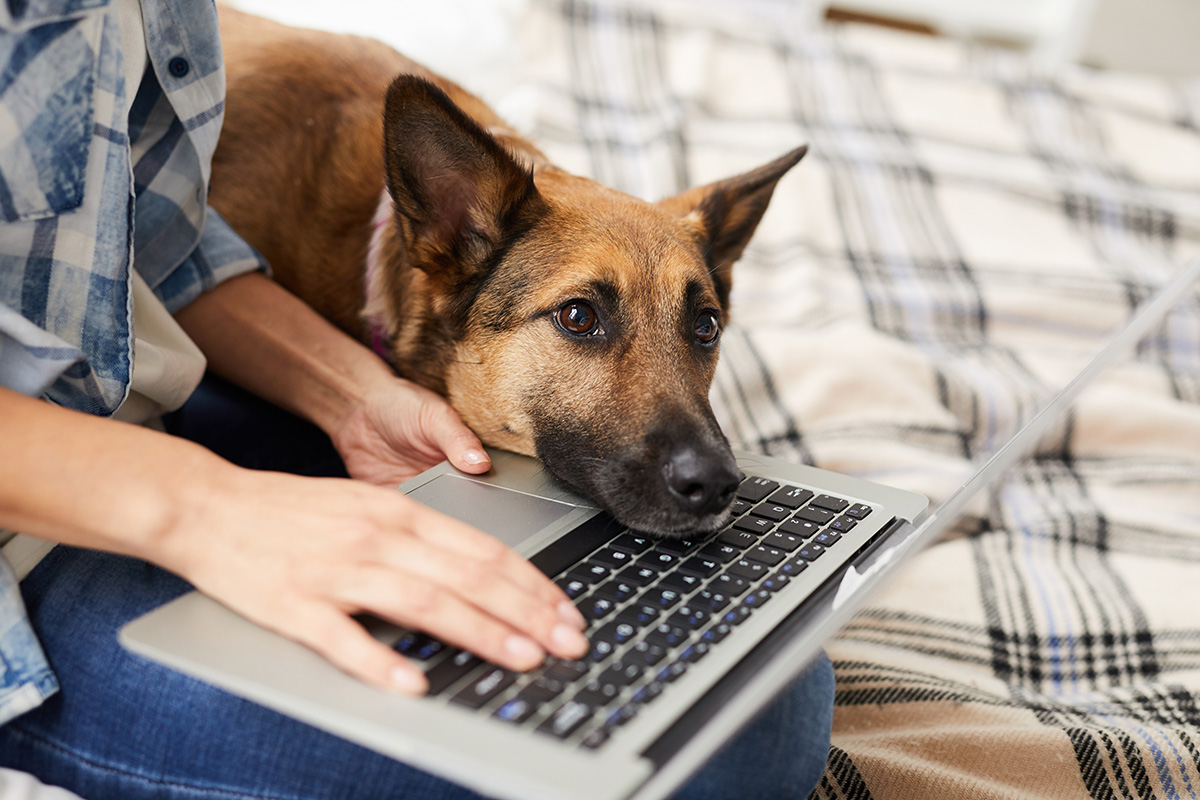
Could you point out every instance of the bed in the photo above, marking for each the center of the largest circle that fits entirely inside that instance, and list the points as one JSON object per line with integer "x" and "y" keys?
{"x": 964, "y": 233}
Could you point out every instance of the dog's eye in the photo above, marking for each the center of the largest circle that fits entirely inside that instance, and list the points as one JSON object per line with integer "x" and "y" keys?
{"x": 578, "y": 319}
{"x": 707, "y": 328}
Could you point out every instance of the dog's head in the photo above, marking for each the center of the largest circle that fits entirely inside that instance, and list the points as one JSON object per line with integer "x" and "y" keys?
{"x": 564, "y": 319}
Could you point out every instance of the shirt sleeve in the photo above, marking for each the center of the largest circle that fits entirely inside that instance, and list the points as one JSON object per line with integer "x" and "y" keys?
{"x": 221, "y": 254}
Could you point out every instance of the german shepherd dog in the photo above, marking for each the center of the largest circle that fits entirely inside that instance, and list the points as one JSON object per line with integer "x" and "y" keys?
{"x": 561, "y": 318}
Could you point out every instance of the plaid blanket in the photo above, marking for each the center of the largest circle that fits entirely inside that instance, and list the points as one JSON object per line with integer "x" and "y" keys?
{"x": 965, "y": 232}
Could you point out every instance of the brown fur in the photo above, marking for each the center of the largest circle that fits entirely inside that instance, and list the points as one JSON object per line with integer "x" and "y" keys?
{"x": 486, "y": 242}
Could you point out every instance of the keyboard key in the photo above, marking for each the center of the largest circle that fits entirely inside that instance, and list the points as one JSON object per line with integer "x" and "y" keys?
{"x": 701, "y": 567}
{"x": 678, "y": 546}
{"x": 858, "y": 511}
{"x": 601, "y": 649}
{"x": 613, "y": 558}
{"x": 682, "y": 582}
{"x": 639, "y": 614}
{"x": 449, "y": 670}
{"x": 620, "y": 715}
{"x": 515, "y": 710}
{"x": 739, "y": 507}
{"x": 597, "y": 694}
{"x": 756, "y": 599}
{"x": 798, "y": 527}
{"x": 566, "y": 720}
{"x": 491, "y": 683}
{"x": 784, "y": 541}
{"x": 618, "y": 591}
{"x": 830, "y": 502}
{"x": 730, "y": 585}
{"x": 691, "y": 617}
{"x": 617, "y": 632}
{"x": 572, "y": 587}
{"x": 827, "y": 538}
{"x": 657, "y": 559}
{"x": 710, "y": 599}
{"x": 755, "y": 489}
{"x": 694, "y": 652}
{"x": 667, "y": 636}
{"x": 790, "y": 496}
{"x": 750, "y": 570}
{"x": 595, "y": 739}
{"x": 751, "y": 524}
{"x": 793, "y": 567}
{"x": 818, "y": 515}
{"x": 771, "y": 511}
{"x": 566, "y": 671}
{"x": 716, "y": 633}
{"x": 597, "y": 608}
{"x": 590, "y": 573}
{"x": 739, "y": 539}
{"x": 671, "y": 672}
{"x": 649, "y": 653}
{"x": 842, "y": 524}
{"x": 766, "y": 555}
{"x": 719, "y": 551}
{"x": 810, "y": 552}
{"x": 736, "y": 616}
{"x": 638, "y": 575}
{"x": 543, "y": 690}
{"x": 662, "y": 598}
{"x": 623, "y": 673}
{"x": 631, "y": 544}
{"x": 647, "y": 693}
{"x": 774, "y": 583}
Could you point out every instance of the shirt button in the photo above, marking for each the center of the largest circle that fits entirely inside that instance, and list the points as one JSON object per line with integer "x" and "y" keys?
{"x": 179, "y": 66}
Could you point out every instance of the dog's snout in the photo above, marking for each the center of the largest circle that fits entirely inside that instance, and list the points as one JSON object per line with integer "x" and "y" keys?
{"x": 700, "y": 482}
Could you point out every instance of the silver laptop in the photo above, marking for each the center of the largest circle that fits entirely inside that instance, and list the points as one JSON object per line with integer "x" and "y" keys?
{"x": 690, "y": 639}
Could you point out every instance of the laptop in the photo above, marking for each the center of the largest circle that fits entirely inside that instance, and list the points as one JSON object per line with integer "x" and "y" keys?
{"x": 690, "y": 639}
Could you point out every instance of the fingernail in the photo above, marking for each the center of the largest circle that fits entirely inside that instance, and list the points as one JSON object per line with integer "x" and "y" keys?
{"x": 408, "y": 680}
{"x": 568, "y": 640}
{"x": 524, "y": 651}
{"x": 568, "y": 613}
{"x": 475, "y": 457}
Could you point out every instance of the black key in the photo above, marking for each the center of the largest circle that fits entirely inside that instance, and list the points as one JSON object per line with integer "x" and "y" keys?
{"x": 656, "y": 559}
{"x": 619, "y": 716}
{"x": 682, "y": 582}
{"x": 716, "y": 633}
{"x": 449, "y": 670}
{"x": 597, "y": 694}
{"x": 751, "y": 524}
{"x": 613, "y": 558}
{"x": 774, "y": 583}
{"x": 736, "y": 616}
{"x": 784, "y": 541}
{"x": 617, "y": 632}
{"x": 595, "y": 739}
{"x": 667, "y": 636}
{"x": 842, "y": 524}
{"x": 618, "y": 591}
{"x": 623, "y": 673}
{"x": 700, "y": 567}
{"x": 573, "y": 587}
{"x": 601, "y": 649}
{"x": 756, "y": 599}
{"x": 677, "y": 546}
{"x": 724, "y": 553}
{"x": 631, "y": 544}
{"x": 694, "y": 652}
{"x": 638, "y": 575}
{"x": 410, "y": 642}
{"x": 790, "y": 496}
{"x": 516, "y": 710}
{"x": 771, "y": 511}
{"x": 690, "y": 617}
{"x": 597, "y": 608}
{"x": 710, "y": 599}
{"x": 662, "y": 598}
{"x": 810, "y": 552}
{"x": 830, "y": 502}
{"x": 649, "y": 653}
{"x": 755, "y": 489}
{"x": 590, "y": 573}
{"x": 827, "y": 538}
{"x": 739, "y": 507}
{"x": 639, "y": 615}
{"x": 750, "y": 570}
{"x": 543, "y": 690}
{"x": 766, "y": 555}
{"x": 566, "y": 720}
{"x": 730, "y": 585}
{"x": 793, "y": 567}
{"x": 798, "y": 527}
{"x": 478, "y": 692}
{"x": 738, "y": 539}
{"x": 566, "y": 671}
{"x": 858, "y": 511}
{"x": 647, "y": 693}
{"x": 817, "y": 515}
{"x": 671, "y": 672}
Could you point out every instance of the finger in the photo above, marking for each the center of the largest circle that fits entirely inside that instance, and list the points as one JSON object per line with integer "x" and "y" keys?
{"x": 464, "y": 579}
{"x": 348, "y": 646}
{"x": 457, "y": 442}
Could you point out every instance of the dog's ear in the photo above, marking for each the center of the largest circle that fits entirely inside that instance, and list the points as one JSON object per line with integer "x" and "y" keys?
{"x": 457, "y": 192}
{"x": 723, "y": 215}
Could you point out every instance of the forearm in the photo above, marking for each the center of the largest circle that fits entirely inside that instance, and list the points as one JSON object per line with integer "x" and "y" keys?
{"x": 77, "y": 479}
{"x": 260, "y": 336}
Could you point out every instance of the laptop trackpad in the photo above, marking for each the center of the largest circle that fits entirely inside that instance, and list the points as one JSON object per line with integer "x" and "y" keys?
{"x": 508, "y": 515}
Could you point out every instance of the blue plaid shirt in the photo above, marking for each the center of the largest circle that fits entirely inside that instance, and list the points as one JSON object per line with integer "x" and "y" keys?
{"x": 87, "y": 193}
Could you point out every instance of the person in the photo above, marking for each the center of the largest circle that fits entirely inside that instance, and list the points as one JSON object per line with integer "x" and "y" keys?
{"x": 267, "y": 489}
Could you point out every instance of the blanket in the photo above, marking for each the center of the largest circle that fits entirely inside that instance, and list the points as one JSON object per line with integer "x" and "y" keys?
{"x": 964, "y": 234}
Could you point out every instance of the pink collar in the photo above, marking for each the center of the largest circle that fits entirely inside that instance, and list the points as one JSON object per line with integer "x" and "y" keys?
{"x": 375, "y": 304}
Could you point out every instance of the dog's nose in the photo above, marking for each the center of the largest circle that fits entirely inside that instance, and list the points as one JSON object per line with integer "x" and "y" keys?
{"x": 700, "y": 482}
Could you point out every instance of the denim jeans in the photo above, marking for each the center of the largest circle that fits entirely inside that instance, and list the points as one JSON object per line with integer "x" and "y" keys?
{"x": 122, "y": 728}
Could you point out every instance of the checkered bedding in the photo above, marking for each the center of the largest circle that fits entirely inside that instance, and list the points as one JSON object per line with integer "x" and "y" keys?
{"x": 964, "y": 233}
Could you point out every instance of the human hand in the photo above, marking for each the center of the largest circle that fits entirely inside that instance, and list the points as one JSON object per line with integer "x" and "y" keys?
{"x": 399, "y": 429}
{"x": 301, "y": 555}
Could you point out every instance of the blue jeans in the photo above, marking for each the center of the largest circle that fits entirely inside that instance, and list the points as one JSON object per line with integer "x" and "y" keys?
{"x": 127, "y": 729}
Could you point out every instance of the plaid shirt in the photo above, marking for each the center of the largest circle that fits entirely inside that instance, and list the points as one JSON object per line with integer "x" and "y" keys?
{"x": 75, "y": 173}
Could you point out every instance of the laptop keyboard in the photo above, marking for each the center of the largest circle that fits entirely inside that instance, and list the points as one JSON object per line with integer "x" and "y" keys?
{"x": 654, "y": 608}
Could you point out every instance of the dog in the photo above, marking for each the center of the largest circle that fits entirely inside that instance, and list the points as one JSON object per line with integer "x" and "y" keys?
{"x": 562, "y": 319}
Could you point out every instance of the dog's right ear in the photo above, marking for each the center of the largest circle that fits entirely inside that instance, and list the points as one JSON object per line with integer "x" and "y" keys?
{"x": 459, "y": 195}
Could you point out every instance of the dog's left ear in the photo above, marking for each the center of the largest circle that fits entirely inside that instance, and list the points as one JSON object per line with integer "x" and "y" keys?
{"x": 458, "y": 193}
{"x": 722, "y": 216}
